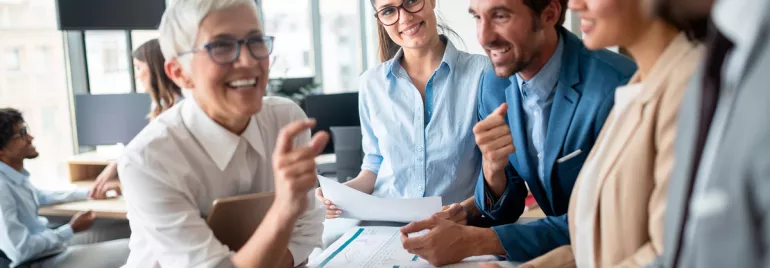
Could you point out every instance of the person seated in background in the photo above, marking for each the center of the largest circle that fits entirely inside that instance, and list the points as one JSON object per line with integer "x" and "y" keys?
{"x": 164, "y": 93}
{"x": 416, "y": 117}
{"x": 543, "y": 103}
{"x": 224, "y": 141}
{"x": 619, "y": 200}
{"x": 24, "y": 236}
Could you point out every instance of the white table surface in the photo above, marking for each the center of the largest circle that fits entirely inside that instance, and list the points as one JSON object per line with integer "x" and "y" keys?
{"x": 335, "y": 228}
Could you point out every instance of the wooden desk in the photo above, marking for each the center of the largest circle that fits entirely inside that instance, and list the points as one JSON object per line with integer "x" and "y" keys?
{"x": 87, "y": 166}
{"x": 107, "y": 209}
{"x": 84, "y": 169}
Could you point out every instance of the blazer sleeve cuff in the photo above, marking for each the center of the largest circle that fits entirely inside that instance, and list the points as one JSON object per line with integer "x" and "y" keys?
{"x": 500, "y": 209}
{"x": 523, "y": 242}
{"x": 492, "y": 204}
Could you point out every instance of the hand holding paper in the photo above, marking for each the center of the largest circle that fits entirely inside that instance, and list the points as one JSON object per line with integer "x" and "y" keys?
{"x": 332, "y": 211}
{"x": 361, "y": 206}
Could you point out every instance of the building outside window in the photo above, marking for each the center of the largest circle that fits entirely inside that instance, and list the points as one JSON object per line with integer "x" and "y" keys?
{"x": 341, "y": 43}
{"x": 28, "y": 30}
{"x": 289, "y": 21}
{"x": 13, "y": 59}
{"x": 107, "y": 61}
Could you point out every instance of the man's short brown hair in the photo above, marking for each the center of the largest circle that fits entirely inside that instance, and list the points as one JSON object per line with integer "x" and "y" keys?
{"x": 539, "y": 5}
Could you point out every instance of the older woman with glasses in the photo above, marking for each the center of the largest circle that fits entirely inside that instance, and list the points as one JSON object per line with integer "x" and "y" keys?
{"x": 224, "y": 141}
{"x": 417, "y": 112}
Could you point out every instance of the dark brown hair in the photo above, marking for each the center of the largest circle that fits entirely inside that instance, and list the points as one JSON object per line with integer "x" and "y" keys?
{"x": 163, "y": 91}
{"x": 9, "y": 119}
{"x": 537, "y": 6}
{"x": 388, "y": 48}
{"x": 695, "y": 27}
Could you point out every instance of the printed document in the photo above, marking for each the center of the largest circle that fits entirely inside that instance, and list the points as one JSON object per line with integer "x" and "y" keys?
{"x": 380, "y": 247}
{"x": 361, "y": 206}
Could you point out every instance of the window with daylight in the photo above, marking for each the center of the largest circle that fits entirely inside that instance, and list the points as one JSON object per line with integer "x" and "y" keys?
{"x": 33, "y": 79}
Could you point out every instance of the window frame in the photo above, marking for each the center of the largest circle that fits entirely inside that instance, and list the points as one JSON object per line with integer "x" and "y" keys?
{"x": 75, "y": 48}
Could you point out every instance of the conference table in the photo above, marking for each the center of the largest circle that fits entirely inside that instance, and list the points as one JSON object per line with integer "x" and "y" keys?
{"x": 335, "y": 229}
{"x": 112, "y": 208}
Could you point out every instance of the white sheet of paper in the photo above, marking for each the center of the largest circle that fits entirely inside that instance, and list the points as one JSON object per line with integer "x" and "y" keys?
{"x": 361, "y": 206}
{"x": 380, "y": 247}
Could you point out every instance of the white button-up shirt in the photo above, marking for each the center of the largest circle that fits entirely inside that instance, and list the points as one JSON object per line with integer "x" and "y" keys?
{"x": 181, "y": 162}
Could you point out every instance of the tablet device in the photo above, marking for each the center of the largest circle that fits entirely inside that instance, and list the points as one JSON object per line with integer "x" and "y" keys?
{"x": 234, "y": 219}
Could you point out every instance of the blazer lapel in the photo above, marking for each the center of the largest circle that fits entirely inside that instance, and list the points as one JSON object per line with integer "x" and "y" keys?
{"x": 681, "y": 177}
{"x": 563, "y": 108}
{"x": 625, "y": 126}
{"x": 757, "y": 48}
{"x": 626, "y": 121}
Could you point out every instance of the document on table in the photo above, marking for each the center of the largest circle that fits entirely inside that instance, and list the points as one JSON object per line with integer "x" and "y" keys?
{"x": 380, "y": 247}
{"x": 361, "y": 206}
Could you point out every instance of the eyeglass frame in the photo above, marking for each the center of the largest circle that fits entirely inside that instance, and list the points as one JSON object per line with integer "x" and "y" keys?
{"x": 398, "y": 16}
{"x": 238, "y": 45}
{"x": 22, "y": 133}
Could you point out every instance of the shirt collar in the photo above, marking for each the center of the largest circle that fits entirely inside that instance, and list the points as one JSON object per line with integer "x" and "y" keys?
{"x": 447, "y": 61}
{"x": 219, "y": 143}
{"x": 739, "y": 20}
{"x": 543, "y": 83}
{"x": 7, "y": 171}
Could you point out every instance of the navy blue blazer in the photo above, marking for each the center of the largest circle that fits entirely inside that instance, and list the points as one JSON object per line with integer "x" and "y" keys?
{"x": 583, "y": 98}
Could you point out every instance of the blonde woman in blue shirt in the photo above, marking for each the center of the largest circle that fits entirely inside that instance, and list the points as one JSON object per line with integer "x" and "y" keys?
{"x": 417, "y": 111}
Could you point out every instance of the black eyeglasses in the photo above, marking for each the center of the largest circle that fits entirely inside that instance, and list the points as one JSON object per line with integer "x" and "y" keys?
{"x": 23, "y": 133}
{"x": 226, "y": 51}
{"x": 390, "y": 15}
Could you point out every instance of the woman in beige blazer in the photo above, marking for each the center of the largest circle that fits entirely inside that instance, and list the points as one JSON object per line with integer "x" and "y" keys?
{"x": 617, "y": 205}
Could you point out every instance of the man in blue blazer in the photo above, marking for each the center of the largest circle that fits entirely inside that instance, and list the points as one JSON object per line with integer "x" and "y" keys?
{"x": 542, "y": 105}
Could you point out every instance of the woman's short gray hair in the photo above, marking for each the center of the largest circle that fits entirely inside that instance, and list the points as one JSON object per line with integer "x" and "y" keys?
{"x": 182, "y": 18}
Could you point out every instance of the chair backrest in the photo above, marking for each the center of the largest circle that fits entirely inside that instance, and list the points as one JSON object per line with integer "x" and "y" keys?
{"x": 332, "y": 110}
{"x": 348, "y": 150}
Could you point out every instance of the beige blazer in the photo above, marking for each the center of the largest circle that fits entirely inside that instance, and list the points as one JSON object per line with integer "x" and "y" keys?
{"x": 633, "y": 179}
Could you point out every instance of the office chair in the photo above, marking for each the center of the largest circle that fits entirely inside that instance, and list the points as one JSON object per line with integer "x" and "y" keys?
{"x": 332, "y": 110}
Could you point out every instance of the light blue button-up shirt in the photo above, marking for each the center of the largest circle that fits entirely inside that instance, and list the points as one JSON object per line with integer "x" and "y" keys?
{"x": 418, "y": 148}
{"x": 23, "y": 234}
{"x": 537, "y": 99}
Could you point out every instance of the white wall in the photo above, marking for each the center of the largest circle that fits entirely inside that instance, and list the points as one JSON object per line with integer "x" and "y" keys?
{"x": 455, "y": 15}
